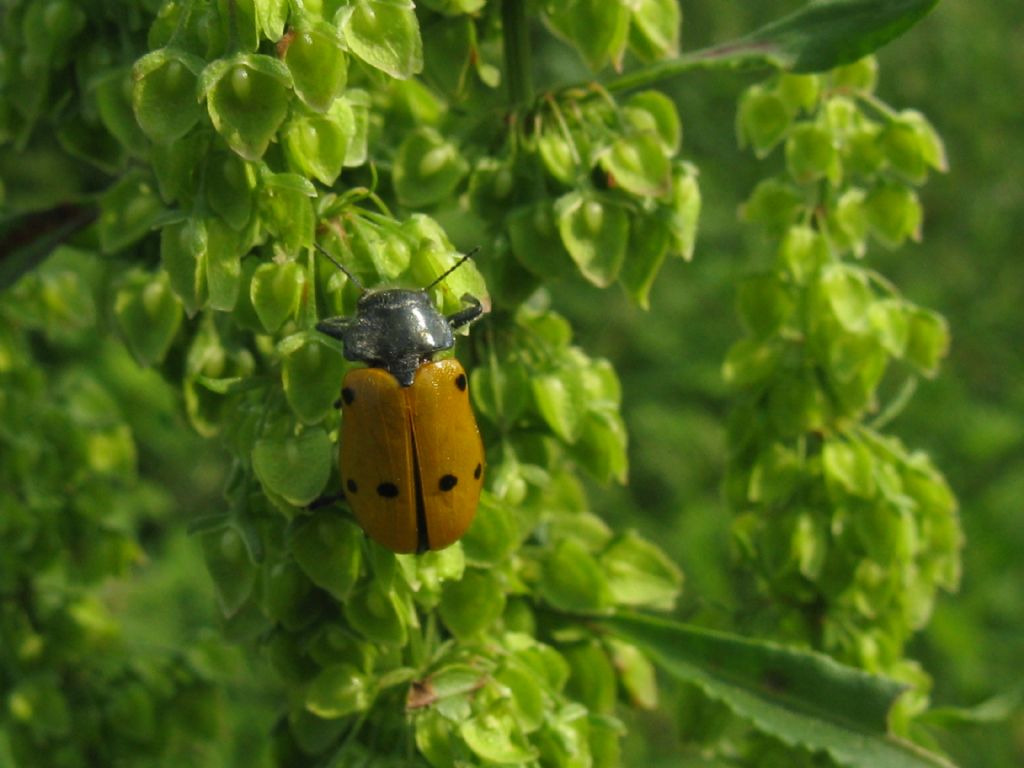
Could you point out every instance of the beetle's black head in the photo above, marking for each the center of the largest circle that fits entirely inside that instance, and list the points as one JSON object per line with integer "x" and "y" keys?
{"x": 395, "y": 329}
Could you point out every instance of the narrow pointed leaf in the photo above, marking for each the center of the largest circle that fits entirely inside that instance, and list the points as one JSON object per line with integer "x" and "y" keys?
{"x": 797, "y": 696}
{"x": 822, "y": 35}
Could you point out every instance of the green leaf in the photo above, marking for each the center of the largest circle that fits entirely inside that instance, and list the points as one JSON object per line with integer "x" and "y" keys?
{"x": 762, "y": 119}
{"x": 501, "y": 392}
{"x": 558, "y": 156}
{"x": 649, "y": 243}
{"x": 247, "y": 97}
{"x": 238, "y": 18}
{"x": 927, "y": 339}
{"x": 859, "y": 76}
{"x": 275, "y": 291}
{"x": 329, "y": 549}
{"x": 803, "y": 251}
{"x": 821, "y": 35}
{"x": 385, "y": 34}
{"x": 637, "y": 164}
{"x": 827, "y": 33}
{"x": 893, "y": 214}
{"x": 317, "y": 146}
{"x": 149, "y": 315}
{"x": 473, "y": 603}
{"x": 286, "y": 594}
{"x": 848, "y": 294}
{"x": 536, "y": 243}
{"x": 800, "y": 92}
{"x": 233, "y": 573}
{"x": 889, "y": 323}
{"x": 595, "y": 233}
{"x": 811, "y": 154}
{"x": 224, "y": 251}
{"x": 435, "y": 740}
{"x": 848, "y": 468}
{"x": 271, "y": 16}
{"x": 230, "y": 181}
{"x": 287, "y": 210}
{"x": 450, "y": 682}
{"x": 799, "y": 697}
{"x": 294, "y": 468}
{"x": 912, "y": 146}
{"x": 359, "y": 102}
{"x": 427, "y": 169}
{"x": 684, "y": 210}
{"x": 164, "y": 95}
{"x": 129, "y": 210}
{"x": 338, "y": 690}
{"x": 653, "y": 111}
{"x": 998, "y": 709}
{"x": 377, "y": 614}
{"x": 314, "y": 735}
{"x": 312, "y": 376}
{"x": 573, "y": 580}
{"x": 930, "y": 143}
{"x": 654, "y": 28}
{"x": 598, "y": 29}
{"x": 493, "y": 535}
{"x": 601, "y": 448}
{"x": 182, "y": 254}
{"x": 318, "y": 64}
{"x": 113, "y": 93}
{"x": 591, "y": 676}
{"x": 559, "y": 399}
{"x": 636, "y": 673}
{"x": 640, "y": 574}
{"x": 491, "y": 738}
{"x": 177, "y": 166}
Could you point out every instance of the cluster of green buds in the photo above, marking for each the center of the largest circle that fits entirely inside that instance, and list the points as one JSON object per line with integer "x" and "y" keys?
{"x": 617, "y": 199}
{"x": 847, "y": 533}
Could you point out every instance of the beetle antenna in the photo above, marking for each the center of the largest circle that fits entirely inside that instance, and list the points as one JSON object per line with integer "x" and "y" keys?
{"x": 340, "y": 266}
{"x": 452, "y": 268}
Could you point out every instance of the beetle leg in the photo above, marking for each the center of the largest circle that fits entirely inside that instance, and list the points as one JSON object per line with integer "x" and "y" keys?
{"x": 325, "y": 501}
{"x": 467, "y": 315}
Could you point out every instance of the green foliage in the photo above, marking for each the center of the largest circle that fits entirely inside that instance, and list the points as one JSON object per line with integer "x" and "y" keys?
{"x": 72, "y": 504}
{"x": 828, "y": 707}
{"x": 223, "y": 140}
{"x": 855, "y": 529}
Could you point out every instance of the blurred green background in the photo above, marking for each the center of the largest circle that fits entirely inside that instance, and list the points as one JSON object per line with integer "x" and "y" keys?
{"x": 963, "y": 68}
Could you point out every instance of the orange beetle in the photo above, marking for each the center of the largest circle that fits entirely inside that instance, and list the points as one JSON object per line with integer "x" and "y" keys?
{"x": 411, "y": 456}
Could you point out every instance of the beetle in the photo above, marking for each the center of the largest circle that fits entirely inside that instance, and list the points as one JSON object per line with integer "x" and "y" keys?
{"x": 411, "y": 456}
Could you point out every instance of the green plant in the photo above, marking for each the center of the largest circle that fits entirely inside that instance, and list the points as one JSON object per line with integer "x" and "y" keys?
{"x": 222, "y": 139}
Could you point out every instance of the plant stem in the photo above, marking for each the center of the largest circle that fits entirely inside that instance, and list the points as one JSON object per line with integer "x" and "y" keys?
{"x": 737, "y": 55}
{"x": 28, "y": 239}
{"x": 516, "y": 34}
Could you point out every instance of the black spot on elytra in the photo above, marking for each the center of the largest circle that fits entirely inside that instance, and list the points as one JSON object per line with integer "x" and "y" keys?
{"x": 448, "y": 482}
{"x": 387, "y": 490}
{"x": 348, "y": 395}
{"x": 351, "y": 485}
{"x": 478, "y": 471}
{"x": 460, "y": 381}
